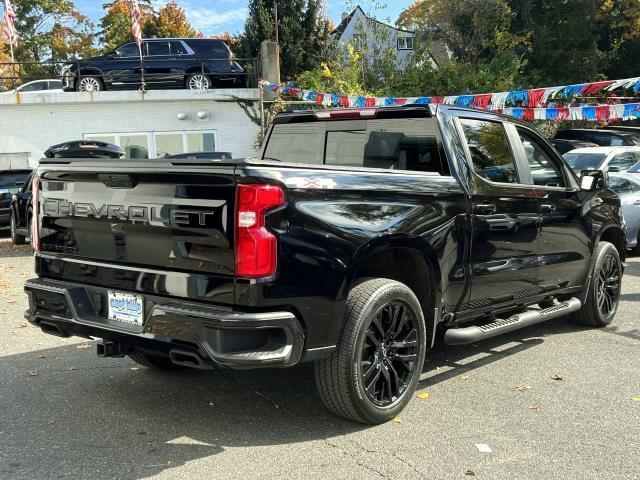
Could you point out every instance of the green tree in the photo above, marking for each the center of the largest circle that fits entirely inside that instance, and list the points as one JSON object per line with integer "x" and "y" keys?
{"x": 303, "y": 32}
{"x": 564, "y": 40}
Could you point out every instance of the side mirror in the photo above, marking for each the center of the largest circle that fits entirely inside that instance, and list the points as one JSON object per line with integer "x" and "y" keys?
{"x": 591, "y": 180}
{"x": 613, "y": 169}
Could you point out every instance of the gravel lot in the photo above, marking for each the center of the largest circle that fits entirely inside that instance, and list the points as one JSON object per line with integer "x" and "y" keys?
{"x": 65, "y": 413}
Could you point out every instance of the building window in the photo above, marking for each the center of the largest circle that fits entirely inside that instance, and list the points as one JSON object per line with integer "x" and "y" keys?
{"x": 405, "y": 43}
{"x": 159, "y": 144}
{"x": 358, "y": 42}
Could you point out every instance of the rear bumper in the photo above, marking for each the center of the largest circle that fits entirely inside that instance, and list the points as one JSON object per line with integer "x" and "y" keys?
{"x": 219, "y": 336}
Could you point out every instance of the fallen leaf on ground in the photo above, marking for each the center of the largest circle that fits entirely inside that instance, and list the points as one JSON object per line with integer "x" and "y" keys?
{"x": 463, "y": 377}
{"x": 520, "y": 388}
{"x": 423, "y": 395}
{"x": 397, "y": 420}
{"x": 33, "y": 373}
{"x": 535, "y": 406}
{"x": 43, "y": 355}
{"x": 23, "y": 325}
{"x": 470, "y": 472}
{"x": 558, "y": 376}
{"x": 635, "y": 399}
{"x": 11, "y": 301}
{"x": 73, "y": 368}
{"x": 169, "y": 462}
{"x": 134, "y": 368}
{"x": 83, "y": 345}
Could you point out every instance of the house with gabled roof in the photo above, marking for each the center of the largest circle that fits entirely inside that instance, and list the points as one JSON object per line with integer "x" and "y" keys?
{"x": 362, "y": 31}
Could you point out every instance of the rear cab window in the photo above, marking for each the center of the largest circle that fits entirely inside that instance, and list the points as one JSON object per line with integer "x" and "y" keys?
{"x": 391, "y": 143}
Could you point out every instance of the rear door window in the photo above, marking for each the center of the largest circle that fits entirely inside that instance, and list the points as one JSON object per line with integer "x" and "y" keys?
{"x": 491, "y": 153}
{"x": 156, "y": 49}
{"x": 544, "y": 169}
{"x": 177, "y": 48}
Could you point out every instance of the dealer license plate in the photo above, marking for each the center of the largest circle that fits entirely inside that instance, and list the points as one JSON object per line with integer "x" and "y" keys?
{"x": 126, "y": 308}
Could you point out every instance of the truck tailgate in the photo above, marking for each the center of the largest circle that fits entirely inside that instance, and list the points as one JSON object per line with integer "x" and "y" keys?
{"x": 177, "y": 219}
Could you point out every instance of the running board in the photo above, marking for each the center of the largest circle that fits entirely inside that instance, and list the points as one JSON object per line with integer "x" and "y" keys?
{"x": 463, "y": 336}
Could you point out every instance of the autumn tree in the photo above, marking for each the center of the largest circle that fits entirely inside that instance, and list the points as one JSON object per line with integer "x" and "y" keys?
{"x": 51, "y": 30}
{"x": 170, "y": 22}
{"x": 115, "y": 25}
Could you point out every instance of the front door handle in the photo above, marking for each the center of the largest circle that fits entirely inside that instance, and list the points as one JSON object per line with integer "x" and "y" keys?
{"x": 548, "y": 207}
{"x": 485, "y": 208}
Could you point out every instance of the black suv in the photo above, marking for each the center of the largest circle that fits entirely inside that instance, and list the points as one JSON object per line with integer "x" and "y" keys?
{"x": 193, "y": 63}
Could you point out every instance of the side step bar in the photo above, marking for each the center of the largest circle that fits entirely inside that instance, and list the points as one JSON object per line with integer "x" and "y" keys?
{"x": 475, "y": 333}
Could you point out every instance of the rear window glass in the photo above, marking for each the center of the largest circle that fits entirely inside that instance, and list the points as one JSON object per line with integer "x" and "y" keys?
{"x": 16, "y": 179}
{"x": 584, "y": 161}
{"x": 397, "y": 144}
{"x": 158, "y": 48}
{"x": 210, "y": 49}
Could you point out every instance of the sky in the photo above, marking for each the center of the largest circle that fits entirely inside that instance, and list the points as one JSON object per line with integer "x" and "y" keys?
{"x": 216, "y": 16}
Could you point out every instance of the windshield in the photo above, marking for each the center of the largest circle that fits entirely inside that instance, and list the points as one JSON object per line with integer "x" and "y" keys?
{"x": 13, "y": 179}
{"x": 584, "y": 161}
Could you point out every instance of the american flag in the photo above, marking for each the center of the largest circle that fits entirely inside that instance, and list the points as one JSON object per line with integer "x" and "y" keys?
{"x": 136, "y": 17}
{"x": 9, "y": 33}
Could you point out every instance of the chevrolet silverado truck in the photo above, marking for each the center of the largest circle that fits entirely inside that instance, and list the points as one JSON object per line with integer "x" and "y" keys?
{"x": 356, "y": 239}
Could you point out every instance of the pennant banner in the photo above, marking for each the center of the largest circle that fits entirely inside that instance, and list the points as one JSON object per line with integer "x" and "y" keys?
{"x": 550, "y": 104}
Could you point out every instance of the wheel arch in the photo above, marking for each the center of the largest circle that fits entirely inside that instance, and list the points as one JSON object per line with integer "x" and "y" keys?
{"x": 405, "y": 263}
{"x": 614, "y": 234}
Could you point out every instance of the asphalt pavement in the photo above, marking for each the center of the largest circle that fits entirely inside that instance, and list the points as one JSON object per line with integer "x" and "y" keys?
{"x": 554, "y": 401}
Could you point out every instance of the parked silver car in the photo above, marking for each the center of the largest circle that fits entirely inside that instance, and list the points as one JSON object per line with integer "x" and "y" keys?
{"x": 628, "y": 187}
{"x": 612, "y": 159}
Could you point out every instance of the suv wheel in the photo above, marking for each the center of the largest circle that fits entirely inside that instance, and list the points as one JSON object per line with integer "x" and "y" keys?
{"x": 16, "y": 238}
{"x": 198, "y": 81}
{"x": 155, "y": 362}
{"x": 372, "y": 375}
{"x": 90, "y": 83}
{"x": 604, "y": 290}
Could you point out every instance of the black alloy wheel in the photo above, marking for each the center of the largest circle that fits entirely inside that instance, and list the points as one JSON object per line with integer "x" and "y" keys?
{"x": 389, "y": 354}
{"x": 608, "y": 285}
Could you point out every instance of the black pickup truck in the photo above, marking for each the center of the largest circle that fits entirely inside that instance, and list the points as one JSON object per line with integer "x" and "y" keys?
{"x": 357, "y": 239}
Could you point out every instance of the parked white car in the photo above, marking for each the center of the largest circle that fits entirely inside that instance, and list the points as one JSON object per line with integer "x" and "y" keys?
{"x": 612, "y": 159}
{"x": 50, "y": 85}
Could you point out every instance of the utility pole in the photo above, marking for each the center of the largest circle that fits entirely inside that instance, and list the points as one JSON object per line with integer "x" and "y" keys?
{"x": 275, "y": 8}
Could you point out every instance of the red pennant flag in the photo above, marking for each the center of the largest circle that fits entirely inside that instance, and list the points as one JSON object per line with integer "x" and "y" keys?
{"x": 481, "y": 101}
{"x": 319, "y": 98}
{"x": 535, "y": 97}
{"x": 370, "y": 102}
{"x": 602, "y": 112}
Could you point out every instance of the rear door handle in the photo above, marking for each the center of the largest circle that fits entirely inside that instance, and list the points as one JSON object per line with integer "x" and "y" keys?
{"x": 548, "y": 207}
{"x": 485, "y": 208}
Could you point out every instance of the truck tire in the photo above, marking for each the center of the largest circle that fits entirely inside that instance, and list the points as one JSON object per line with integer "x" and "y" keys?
{"x": 16, "y": 238}
{"x": 374, "y": 372}
{"x": 604, "y": 290}
{"x": 155, "y": 362}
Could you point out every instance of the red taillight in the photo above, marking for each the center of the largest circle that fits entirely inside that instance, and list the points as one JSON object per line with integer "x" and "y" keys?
{"x": 256, "y": 247}
{"x": 35, "y": 219}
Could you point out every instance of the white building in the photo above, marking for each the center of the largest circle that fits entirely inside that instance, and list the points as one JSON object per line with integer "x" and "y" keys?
{"x": 158, "y": 123}
{"x": 361, "y": 29}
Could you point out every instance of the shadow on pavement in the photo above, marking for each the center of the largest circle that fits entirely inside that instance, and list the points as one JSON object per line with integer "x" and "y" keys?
{"x": 454, "y": 361}
{"x": 86, "y": 417}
